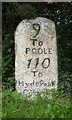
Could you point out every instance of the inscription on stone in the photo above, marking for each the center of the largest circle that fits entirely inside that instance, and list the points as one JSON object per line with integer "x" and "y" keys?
{"x": 35, "y": 56}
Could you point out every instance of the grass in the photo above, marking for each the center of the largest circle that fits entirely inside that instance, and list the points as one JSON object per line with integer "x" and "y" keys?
{"x": 15, "y": 106}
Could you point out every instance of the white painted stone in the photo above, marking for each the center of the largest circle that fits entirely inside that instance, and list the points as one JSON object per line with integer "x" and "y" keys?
{"x": 39, "y": 56}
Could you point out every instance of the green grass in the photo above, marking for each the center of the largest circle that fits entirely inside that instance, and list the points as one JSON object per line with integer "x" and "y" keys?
{"x": 15, "y": 106}
{"x": 0, "y": 104}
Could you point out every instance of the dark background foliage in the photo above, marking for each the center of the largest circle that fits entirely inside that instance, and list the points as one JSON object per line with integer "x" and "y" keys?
{"x": 60, "y": 13}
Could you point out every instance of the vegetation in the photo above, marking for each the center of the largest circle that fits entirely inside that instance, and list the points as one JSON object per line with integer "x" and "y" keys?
{"x": 13, "y": 106}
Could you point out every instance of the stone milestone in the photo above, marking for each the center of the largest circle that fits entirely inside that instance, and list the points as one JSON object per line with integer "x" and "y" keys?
{"x": 35, "y": 56}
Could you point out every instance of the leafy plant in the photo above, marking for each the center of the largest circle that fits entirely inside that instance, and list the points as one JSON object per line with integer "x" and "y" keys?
{"x": 8, "y": 66}
{"x": 16, "y": 106}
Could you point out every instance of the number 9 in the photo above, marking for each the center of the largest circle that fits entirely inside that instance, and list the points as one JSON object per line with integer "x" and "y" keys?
{"x": 36, "y": 27}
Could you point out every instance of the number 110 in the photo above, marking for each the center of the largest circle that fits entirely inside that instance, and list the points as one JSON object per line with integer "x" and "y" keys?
{"x": 37, "y": 62}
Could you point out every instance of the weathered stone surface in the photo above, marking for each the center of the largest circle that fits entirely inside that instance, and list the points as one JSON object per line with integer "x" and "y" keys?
{"x": 35, "y": 55}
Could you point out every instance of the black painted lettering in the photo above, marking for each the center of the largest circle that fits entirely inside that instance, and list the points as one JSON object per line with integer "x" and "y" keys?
{"x": 40, "y": 74}
{"x": 33, "y": 41}
{"x": 53, "y": 83}
{"x": 37, "y": 84}
{"x": 21, "y": 83}
{"x": 41, "y": 82}
{"x": 34, "y": 50}
{"x": 32, "y": 83}
{"x": 50, "y": 51}
{"x": 34, "y": 72}
{"x": 40, "y": 43}
{"x": 25, "y": 91}
{"x": 45, "y": 52}
{"x": 45, "y": 84}
{"x": 27, "y": 84}
{"x": 40, "y": 51}
{"x": 27, "y": 50}
{"x": 36, "y": 27}
{"x": 29, "y": 62}
{"x": 37, "y": 62}
{"x": 46, "y": 65}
